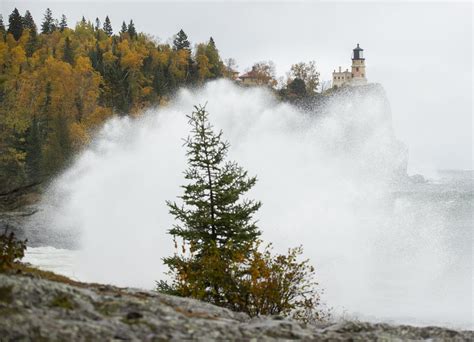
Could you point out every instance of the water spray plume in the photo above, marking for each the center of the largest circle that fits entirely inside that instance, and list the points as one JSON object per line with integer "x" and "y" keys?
{"x": 327, "y": 180}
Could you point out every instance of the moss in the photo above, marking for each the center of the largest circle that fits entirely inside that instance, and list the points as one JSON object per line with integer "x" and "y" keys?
{"x": 107, "y": 308}
{"x": 6, "y": 295}
{"x": 64, "y": 301}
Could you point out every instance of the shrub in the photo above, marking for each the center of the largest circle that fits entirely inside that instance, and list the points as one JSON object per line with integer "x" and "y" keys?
{"x": 11, "y": 250}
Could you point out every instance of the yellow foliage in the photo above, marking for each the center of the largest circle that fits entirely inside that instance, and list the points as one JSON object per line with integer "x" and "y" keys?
{"x": 79, "y": 136}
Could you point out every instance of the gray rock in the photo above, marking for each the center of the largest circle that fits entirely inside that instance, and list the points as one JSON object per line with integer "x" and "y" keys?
{"x": 41, "y": 310}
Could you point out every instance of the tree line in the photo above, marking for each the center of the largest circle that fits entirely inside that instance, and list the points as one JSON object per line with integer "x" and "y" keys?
{"x": 58, "y": 84}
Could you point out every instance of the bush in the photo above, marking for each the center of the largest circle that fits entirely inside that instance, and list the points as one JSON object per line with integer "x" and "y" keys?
{"x": 11, "y": 250}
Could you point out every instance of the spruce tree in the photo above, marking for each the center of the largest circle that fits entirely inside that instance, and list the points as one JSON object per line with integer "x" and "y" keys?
{"x": 63, "y": 23}
{"x": 131, "y": 29}
{"x": 15, "y": 24}
{"x": 213, "y": 220}
{"x": 68, "y": 54}
{"x": 29, "y": 23}
{"x": 124, "y": 28}
{"x": 181, "y": 41}
{"x": 97, "y": 24}
{"x": 47, "y": 26}
{"x": 215, "y": 63}
{"x": 108, "y": 27}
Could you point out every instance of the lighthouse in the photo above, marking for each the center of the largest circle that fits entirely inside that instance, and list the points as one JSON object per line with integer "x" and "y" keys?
{"x": 358, "y": 67}
{"x": 356, "y": 76}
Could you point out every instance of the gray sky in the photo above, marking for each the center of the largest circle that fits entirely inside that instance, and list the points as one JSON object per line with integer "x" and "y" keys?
{"x": 420, "y": 52}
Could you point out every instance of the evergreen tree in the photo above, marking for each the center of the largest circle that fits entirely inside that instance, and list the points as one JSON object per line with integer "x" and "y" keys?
{"x": 15, "y": 24}
{"x": 297, "y": 87}
{"x": 213, "y": 219}
{"x": 48, "y": 22}
{"x": 68, "y": 54}
{"x": 212, "y": 44}
{"x": 97, "y": 24}
{"x": 131, "y": 29}
{"x": 181, "y": 41}
{"x": 124, "y": 28}
{"x": 215, "y": 63}
{"x": 108, "y": 27}
{"x": 29, "y": 23}
{"x": 63, "y": 23}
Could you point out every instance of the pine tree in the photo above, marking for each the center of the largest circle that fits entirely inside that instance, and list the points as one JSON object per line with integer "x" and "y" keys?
{"x": 29, "y": 23}
{"x": 108, "y": 27}
{"x": 47, "y": 25}
{"x": 212, "y": 43}
{"x": 216, "y": 65}
{"x": 124, "y": 28}
{"x": 97, "y": 24}
{"x": 68, "y": 54}
{"x": 63, "y": 23}
{"x": 15, "y": 24}
{"x": 213, "y": 220}
{"x": 181, "y": 41}
{"x": 131, "y": 29}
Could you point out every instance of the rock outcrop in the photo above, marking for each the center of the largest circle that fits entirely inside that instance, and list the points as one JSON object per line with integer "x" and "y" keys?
{"x": 33, "y": 309}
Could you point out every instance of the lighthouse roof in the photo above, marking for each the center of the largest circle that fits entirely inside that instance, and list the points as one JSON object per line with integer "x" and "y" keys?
{"x": 358, "y": 48}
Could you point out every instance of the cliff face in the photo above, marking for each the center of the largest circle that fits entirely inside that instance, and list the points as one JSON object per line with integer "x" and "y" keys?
{"x": 40, "y": 310}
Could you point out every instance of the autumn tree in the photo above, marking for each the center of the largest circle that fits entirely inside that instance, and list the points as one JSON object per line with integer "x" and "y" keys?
{"x": 47, "y": 26}
{"x": 2, "y": 27}
{"x": 108, "y": 27}
{"x": 264, "y": 73}
{"x": 15, "y": 24}
{"x": 306, "y": 72}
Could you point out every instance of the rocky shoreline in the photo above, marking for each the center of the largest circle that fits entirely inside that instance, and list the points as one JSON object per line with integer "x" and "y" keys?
{"x": 36, "y": 309}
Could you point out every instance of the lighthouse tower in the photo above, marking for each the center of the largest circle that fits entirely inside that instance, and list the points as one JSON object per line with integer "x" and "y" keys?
{"x": 358, "y": 67}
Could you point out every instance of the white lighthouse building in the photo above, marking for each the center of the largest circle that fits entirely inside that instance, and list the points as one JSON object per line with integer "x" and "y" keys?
{"x": 356, "y": 76}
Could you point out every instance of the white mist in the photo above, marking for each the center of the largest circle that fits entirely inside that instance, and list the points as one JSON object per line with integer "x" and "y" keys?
{"x": 325, "y": 181}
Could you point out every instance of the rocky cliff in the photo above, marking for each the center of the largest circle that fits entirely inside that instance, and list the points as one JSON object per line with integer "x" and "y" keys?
{"x": 34, "y": 309}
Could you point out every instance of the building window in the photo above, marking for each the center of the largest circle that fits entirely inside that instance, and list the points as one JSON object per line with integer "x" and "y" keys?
{"x": 357, "y": 68}
{"x": 362, "y": 75}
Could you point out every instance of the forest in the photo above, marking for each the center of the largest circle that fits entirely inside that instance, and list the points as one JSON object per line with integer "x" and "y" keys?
{"x": 58, "y": 84}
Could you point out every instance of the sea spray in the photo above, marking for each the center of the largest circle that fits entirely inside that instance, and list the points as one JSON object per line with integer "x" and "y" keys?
{"x": 327, "y": 179}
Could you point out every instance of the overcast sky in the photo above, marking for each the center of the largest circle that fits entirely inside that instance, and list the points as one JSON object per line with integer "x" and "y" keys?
{"x": 420, "y": 52}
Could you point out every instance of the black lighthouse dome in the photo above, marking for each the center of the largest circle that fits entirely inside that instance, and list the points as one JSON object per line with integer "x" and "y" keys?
{"x": 358, "y": 53}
